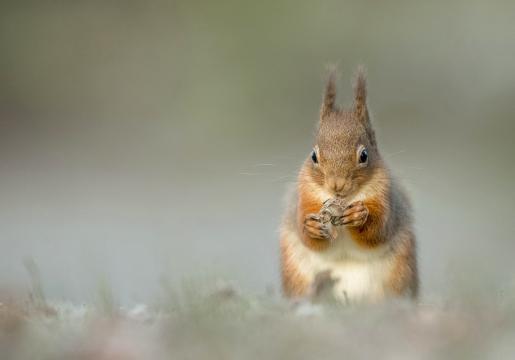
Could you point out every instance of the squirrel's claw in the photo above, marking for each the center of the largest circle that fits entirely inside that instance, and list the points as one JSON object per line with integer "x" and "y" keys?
{"x": 318, "y": 229}
{"x": 356, "y": 214}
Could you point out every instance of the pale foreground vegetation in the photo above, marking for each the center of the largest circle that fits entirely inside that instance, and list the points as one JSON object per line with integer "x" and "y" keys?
{"x": 199, "y": 322}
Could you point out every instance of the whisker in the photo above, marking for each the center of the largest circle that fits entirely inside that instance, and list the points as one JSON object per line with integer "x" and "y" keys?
{"x": 413, "y": 167}
{"x": 395, "y": 153}
{"x": 285, "y": 177}
{"x": 262, "y": 165}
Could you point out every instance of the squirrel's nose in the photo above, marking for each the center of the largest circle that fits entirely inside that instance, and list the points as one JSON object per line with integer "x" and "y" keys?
{"x": 335, "y": 184}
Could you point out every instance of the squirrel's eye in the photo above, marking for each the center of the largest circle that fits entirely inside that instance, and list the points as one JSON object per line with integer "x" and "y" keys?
{"x": 314, "y": 157}
{"x": 363, "y": 156}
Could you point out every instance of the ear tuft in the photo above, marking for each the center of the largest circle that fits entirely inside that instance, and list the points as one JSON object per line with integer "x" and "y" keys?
{"x": 328, "y": 103}
{"x": 360, "y": 92}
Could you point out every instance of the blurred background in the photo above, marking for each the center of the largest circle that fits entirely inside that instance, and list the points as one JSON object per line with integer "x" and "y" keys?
{"x": 147, "y": 142}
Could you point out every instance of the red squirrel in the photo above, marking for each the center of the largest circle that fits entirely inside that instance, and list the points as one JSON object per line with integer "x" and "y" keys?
{"x": 348, "y": 216}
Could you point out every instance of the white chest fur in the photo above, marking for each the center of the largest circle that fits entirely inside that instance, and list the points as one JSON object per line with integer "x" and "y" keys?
{"x": 360, "y": 274}
{"x": 359, "y": 280}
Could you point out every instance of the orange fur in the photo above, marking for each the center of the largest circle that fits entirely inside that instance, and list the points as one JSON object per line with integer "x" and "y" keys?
{"x": 373, "y": 232}
{"x": 308, "y": 203}
{"x": 294, "y": 284}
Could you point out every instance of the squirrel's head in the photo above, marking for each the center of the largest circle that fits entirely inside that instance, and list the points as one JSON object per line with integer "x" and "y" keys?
{"x": 345, "y": 152}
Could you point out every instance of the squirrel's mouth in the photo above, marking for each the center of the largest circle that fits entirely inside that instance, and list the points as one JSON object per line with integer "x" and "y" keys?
{"x": 343, "y": 192}
{"x": 346, "y": 193}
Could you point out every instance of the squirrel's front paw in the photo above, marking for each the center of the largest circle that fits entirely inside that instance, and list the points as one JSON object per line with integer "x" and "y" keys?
{"x": 315, "y": 228}
{"x": 356, "y": 214}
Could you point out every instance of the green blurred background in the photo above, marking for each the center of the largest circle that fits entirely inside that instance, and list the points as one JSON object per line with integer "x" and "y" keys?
{"x": 151, "y": 141}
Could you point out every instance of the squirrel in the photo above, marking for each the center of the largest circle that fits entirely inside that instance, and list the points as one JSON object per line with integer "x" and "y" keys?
{"x": 347, "y": 215}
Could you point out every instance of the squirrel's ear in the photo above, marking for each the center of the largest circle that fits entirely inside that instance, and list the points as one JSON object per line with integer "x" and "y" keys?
{"x": 328, "y": 103}
{"x": 360, "y": 94}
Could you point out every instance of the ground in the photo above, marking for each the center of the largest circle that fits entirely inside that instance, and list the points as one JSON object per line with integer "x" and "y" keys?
{"x": 221, "y": 323}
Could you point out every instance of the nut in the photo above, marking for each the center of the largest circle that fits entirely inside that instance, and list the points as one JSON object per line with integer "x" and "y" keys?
{"x": 332, "y": 210}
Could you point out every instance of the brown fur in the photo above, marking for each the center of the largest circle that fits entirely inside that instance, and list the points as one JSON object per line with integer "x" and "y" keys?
{"x": 404, "y": 277}
{"x": 383, "y": 218}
